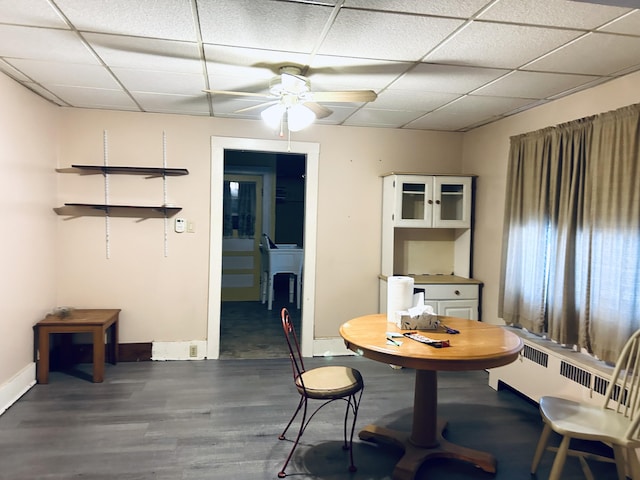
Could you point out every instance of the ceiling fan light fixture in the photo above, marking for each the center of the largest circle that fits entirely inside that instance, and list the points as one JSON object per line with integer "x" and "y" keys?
{"x": 272, "y": 116}
{"x": 299, "y": 117}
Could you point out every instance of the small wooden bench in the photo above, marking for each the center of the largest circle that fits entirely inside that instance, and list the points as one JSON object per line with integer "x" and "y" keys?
{"x": 98, "y": 322}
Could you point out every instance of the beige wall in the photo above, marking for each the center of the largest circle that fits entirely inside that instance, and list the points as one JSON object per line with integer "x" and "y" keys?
{"x": 28, "y": 240}
{"x": 485, "y": 153}
{"x": 49, "y": 260}
{"x": 165, "y": 298}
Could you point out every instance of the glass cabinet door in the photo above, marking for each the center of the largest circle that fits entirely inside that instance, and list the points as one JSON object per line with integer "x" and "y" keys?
{"x": 452, "y": 202}
{"x": 414, "y": 201}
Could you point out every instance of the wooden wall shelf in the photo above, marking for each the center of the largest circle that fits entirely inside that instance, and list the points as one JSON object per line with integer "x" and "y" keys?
{"x": 151, "y": 171}
{"x": 99, "y": 210}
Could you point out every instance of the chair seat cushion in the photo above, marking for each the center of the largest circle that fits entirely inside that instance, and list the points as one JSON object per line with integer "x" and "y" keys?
{"x": 585, "y": 421}
{"x": 329, "y": 382}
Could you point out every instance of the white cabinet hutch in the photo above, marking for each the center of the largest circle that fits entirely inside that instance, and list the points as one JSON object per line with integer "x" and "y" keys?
{"x": 427, "y": 233}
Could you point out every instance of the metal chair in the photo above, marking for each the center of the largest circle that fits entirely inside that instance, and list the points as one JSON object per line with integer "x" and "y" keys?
{"x": 326, "y": 384}
{"x": 615, "y": 423}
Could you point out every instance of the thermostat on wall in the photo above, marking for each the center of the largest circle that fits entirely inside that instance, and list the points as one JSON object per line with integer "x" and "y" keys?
{"x": 181, "y": 225}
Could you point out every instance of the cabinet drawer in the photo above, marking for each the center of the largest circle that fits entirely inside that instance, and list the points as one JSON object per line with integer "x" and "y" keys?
{"x": 448, "y": 291}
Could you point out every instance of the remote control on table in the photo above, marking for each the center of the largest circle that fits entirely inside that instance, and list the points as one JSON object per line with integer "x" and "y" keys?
{"x": 426, "y": 340}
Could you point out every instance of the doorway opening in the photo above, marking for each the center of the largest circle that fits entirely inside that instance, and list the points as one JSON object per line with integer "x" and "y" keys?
{"x": 222, "y": 147}
{"x": 263, "y": 195}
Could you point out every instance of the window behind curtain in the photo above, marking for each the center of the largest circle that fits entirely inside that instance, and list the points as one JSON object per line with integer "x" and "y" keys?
{"x": 571, "y": 247}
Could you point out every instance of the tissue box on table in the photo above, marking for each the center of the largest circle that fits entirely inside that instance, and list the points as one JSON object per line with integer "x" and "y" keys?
{"x": 421, "y": 317}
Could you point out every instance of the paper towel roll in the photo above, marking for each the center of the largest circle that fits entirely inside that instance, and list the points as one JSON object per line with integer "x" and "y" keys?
{"x": 399, "y": 297}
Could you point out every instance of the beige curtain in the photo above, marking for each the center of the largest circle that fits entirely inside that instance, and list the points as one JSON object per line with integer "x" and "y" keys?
{"x": 571, "y": 246}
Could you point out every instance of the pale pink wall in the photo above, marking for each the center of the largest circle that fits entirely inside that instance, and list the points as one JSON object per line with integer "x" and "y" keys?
{"x": 485, "y": 153}
{"x": 28, "y": 243}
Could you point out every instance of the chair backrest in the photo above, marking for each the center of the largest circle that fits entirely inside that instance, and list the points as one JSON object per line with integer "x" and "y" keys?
{"x": 623, "y": 392}
{"x": 294, "y": 346}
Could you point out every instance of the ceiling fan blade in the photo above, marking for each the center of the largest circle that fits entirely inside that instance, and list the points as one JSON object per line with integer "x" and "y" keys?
{"x": 320, "y": 110}
{"x": 253, "y": 107}
{"x": 239, "y": 94}
{"x": 346, "y": 96}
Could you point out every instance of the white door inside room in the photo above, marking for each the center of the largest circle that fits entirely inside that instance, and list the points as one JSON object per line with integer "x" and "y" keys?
{"x": 242, "y": 226}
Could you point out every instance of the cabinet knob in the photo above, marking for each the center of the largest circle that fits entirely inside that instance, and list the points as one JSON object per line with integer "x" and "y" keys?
{"x": 430, "y": 202}
{"x": 457, "y": 292}
{"x": 437, "y": 202}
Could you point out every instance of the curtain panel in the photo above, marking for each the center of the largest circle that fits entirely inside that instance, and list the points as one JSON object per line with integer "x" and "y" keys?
{"x": 571, "y": 244}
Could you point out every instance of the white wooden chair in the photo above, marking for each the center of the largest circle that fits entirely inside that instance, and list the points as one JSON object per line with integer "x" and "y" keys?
{"x": 615, "y": 423}
{"x": 276, "y": 259}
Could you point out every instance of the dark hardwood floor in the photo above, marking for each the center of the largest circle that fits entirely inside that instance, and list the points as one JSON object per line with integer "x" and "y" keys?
{"x": 220, "y": 419}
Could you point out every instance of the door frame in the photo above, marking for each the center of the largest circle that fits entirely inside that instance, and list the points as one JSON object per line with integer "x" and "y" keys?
{"x": 312, "y": 154}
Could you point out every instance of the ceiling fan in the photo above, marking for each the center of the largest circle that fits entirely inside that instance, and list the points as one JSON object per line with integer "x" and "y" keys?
{"x": 290, "y": 96}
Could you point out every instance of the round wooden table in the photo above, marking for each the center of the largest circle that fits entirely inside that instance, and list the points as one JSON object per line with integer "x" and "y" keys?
{"x": 478, "y": 346}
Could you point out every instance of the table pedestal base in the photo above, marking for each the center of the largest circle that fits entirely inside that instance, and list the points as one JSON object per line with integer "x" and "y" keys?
{"x": 414, "y": 455}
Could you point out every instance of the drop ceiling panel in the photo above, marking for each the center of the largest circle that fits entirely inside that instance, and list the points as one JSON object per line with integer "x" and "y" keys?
{"x": 93, "y": 97}
{"x": 162, "y": 103}
{"x": 500, "y": 45}
{"x": 146, "y": 53}
{"x": 330, "y": 72}
{"x": 43, "y": 44}
{"x": 418, "y": 101}
{"x": 440, "y": 60}
{"x": 170, "y": 19}
{"x": 385, "y": 36}
{"x": 258, "y": 24}
{"x": 446, "y": 78}
{"x": 371, "y": 117}
{"x": 33, "y": 12}
{"x": 534, "y": 84}
{"x": 73, "y": 74}
{"x": 614, "y": 52}
{"x": 557, "y": 13}
{"x": 447, "y": 8}
{"x": 627, "y": 25}
{"x": 154, "y": 81}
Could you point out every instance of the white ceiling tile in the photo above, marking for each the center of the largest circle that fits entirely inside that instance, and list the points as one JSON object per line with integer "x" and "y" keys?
{"x": 613, "y": 53}
{"x": 446, "y": 78}
{"x": 293, "y": 27}
{"x": 162, "y": 103}
{"x": 146, "y": 53}
{"x": 534, "y": 84}
{"x": 422, "y": 101}
{"x": 395, "y": 36}
{"x": 499, "y": 45}
{"x": 249, "y": 63}
{"x": 44, "y": 93}
{"x": 486, "y": 58}
{"x": 43, "y": 44}
{"x": 12, "y": 72}
{"x": 170, "y": 19}
{"x": 440, "y": 120}
{"x": 93, "y": 97}
{"x": 73, "y": 74}
{"x": 333, "y": 73}
{"x": 372, "y": 117}
{"x": 155, "y": 81}
{"x": 30, "y": 12}
{"x": 627, "y": 25}
{"x": 558, "y": 13}
{"x": 459, "y": 8}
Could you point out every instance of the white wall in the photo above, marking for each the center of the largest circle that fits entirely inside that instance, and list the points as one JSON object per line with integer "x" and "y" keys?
{"x": 28, "y": 242}
{"x": 486, "y": 150}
